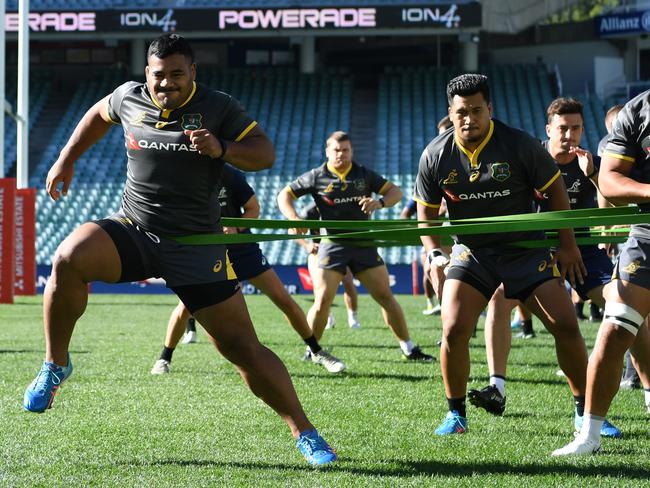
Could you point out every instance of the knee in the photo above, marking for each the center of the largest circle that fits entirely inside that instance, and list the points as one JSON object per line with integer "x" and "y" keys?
{"x": 385, "y": 298}
{"x": 454, "y": 334}
{"x": 240, "y": 352}
{"x": 65, "y": 261}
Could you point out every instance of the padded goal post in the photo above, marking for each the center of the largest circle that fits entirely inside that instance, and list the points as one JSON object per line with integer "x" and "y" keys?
{"x": 17, "y": 241}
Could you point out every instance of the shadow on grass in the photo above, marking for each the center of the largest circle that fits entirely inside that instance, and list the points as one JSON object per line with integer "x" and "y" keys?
{"x": 374, "y": 376}
{"x": 31, "y": 351}
{"x": 409, "y": 469}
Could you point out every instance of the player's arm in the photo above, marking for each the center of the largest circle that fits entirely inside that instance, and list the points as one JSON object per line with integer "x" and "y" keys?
{"x": 90, "y": 129}
{"x": 391, "y": 195}
{"x": 616, "y": 184}
{"x": 286, "y": 198}
{"x": 568, "y": 255}
{"x": 251, "y": 210}
{"x": 436, "y": 259}
{"x": 253, "y": 152}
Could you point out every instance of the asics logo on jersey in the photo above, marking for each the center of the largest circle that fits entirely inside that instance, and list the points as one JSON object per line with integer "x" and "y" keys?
{"x": 217, "y": 266}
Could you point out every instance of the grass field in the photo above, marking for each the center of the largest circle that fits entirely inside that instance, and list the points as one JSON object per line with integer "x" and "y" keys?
{"x": 114, "y": 424}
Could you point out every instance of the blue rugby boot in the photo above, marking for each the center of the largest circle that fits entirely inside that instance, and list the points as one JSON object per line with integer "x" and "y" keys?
{"x": 314, "y": 448}
{"x": 452, "y": 424}
{"x": 40, "y": 393}
{"x": 607, "y": 430}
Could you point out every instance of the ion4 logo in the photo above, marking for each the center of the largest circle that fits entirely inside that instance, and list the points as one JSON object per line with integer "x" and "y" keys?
{"x": 166, "y": 22}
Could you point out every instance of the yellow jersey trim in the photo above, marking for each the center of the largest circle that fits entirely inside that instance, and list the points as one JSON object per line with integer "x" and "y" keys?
{"x": 166, "y": 112}
{"x": 246, "y": 131}
{"x": 620, "y": 156}
{"x": 426, "y": 204}
{"x": 290, "y": 191}
{"x": 383, "y": 188}
{"x": 473, "y": 156}
{"x": 106, "y": 117}
{"x": 340, "y": 175}
{"x": 550, "y": 182}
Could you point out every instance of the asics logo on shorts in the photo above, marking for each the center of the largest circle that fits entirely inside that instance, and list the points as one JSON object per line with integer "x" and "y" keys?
{"x": 633, "y": 267}
{"x": 217, "y": 266}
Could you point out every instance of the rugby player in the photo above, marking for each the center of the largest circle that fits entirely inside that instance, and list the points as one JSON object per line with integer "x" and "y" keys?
{"x": 342, "y": 190}
{"x": 484, "y": 168}
{"x": 178, "y": 134}
{"x": 624, "y": 178}
{"x": 237, "y": 199}
{"x": 565, "y": 128}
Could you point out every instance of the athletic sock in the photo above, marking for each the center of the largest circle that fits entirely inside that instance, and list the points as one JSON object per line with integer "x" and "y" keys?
{"x": 591, "y": 425}
{"x": 167, "y": 353}
{"x": 594, "y": 311}
{"x": 313, "y": 345}
{"x": 430, "y": 303}
{"x": 457, "y": 404}
{"x": 580, "y": 405}
{"x": 646, "y": 395}
{"x": 630, "y": 371}
{"x": 352, "y": 315}
{"x": 527, "y": 327}
{"x": 500, "y": 382}
{"x": 406, "y": 346}
{"x": 191, "y": 325}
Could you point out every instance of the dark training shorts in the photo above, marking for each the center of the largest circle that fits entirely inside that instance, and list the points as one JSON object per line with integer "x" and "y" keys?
{"x": 248, "y": 261}
{"x": 520, "y": 270}
{"x": 337, "y": 257}
{"x": 632, "y": 264}
{"x": 205, "y": 270}
{"x": 599, "y": 270}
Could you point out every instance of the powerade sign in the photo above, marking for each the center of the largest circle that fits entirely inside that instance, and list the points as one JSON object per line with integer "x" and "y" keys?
{"x": 296, "y": 280}
{"x": 439, "y": 16}
{"x": 622, "y": 24}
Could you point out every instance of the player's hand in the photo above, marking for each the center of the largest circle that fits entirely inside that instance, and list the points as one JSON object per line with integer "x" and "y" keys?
{"x": 585, "y": 160}
{"x": 369, "y": 204}
{"x": 437, "y": 278}
{"x": 60, "y": 172}
{"x": 230, "y": 230}
{"x": 297, "y": 230}
{"x": 205, "y": 142}
{"x": 569, "y": 260}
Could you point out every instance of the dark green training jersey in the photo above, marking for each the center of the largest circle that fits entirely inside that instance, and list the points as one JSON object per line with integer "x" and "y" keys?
{"x": 337, "y": 195}
{"x": 498, "y": 178}
{"x": 630, "y": 141}
{"x": 171, "y": 189}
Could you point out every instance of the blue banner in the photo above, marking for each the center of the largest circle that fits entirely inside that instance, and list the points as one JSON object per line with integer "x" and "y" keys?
{"x": 295, "y": 278}
{"x": 621, "y": 24}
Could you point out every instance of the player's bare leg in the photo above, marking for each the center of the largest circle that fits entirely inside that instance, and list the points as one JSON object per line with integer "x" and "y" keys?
{"x": 324, "y": 293}
{"x": 261, "y": 369}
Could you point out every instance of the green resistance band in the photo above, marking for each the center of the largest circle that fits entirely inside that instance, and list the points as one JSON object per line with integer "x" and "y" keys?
{"x": 381, "y": 233}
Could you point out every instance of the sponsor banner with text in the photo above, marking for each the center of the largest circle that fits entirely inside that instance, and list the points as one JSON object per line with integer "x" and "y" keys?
{"x": 7, "y": 238}
{"x": 295, "y": 279}
{"x": 436, "y": 16}
{"x": 25, "y": 263}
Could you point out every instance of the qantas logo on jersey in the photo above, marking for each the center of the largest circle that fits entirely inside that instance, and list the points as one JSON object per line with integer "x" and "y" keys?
{"x": 482, "y": 195}
{"x": 335, "y": 201}
{"x": 136, "y": 145}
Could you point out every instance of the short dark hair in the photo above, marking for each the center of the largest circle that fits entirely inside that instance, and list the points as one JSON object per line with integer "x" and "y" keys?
{"x": 169, "y": 44}
{"x": 466, "y": 85}
{"x": 338, "y": 136}
{"x": 563, "y": 106}
{"x": 444, "y": 123}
